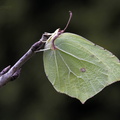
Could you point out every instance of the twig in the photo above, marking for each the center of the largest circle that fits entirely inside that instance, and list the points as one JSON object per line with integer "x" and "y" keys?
{"x": 11, "y": 73}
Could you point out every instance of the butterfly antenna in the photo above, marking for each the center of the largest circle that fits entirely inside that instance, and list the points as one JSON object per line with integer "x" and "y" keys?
{"x": 68, "y": 21}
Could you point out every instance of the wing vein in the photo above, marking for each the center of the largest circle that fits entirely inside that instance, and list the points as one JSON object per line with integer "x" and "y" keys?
{"x": 56, "y": 64}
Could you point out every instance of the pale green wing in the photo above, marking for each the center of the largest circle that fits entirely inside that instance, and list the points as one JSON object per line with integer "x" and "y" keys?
{"x": 79, "y": 68}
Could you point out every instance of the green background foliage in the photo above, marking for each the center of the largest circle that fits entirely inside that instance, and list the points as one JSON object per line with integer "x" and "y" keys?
{"x": 22, "y": 22}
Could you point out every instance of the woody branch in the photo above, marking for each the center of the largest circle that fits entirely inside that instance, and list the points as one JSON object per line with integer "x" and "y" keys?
{"x": 11, "y": 73}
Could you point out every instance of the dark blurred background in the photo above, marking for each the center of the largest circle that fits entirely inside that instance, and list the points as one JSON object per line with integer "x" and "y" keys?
{"x": 32, "y": 97}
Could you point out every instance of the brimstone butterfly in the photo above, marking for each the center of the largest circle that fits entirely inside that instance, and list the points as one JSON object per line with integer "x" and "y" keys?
{"x": 77, "y": 67}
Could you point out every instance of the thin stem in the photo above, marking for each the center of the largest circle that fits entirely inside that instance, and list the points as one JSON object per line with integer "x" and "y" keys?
{"x": 11, "y": 73}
